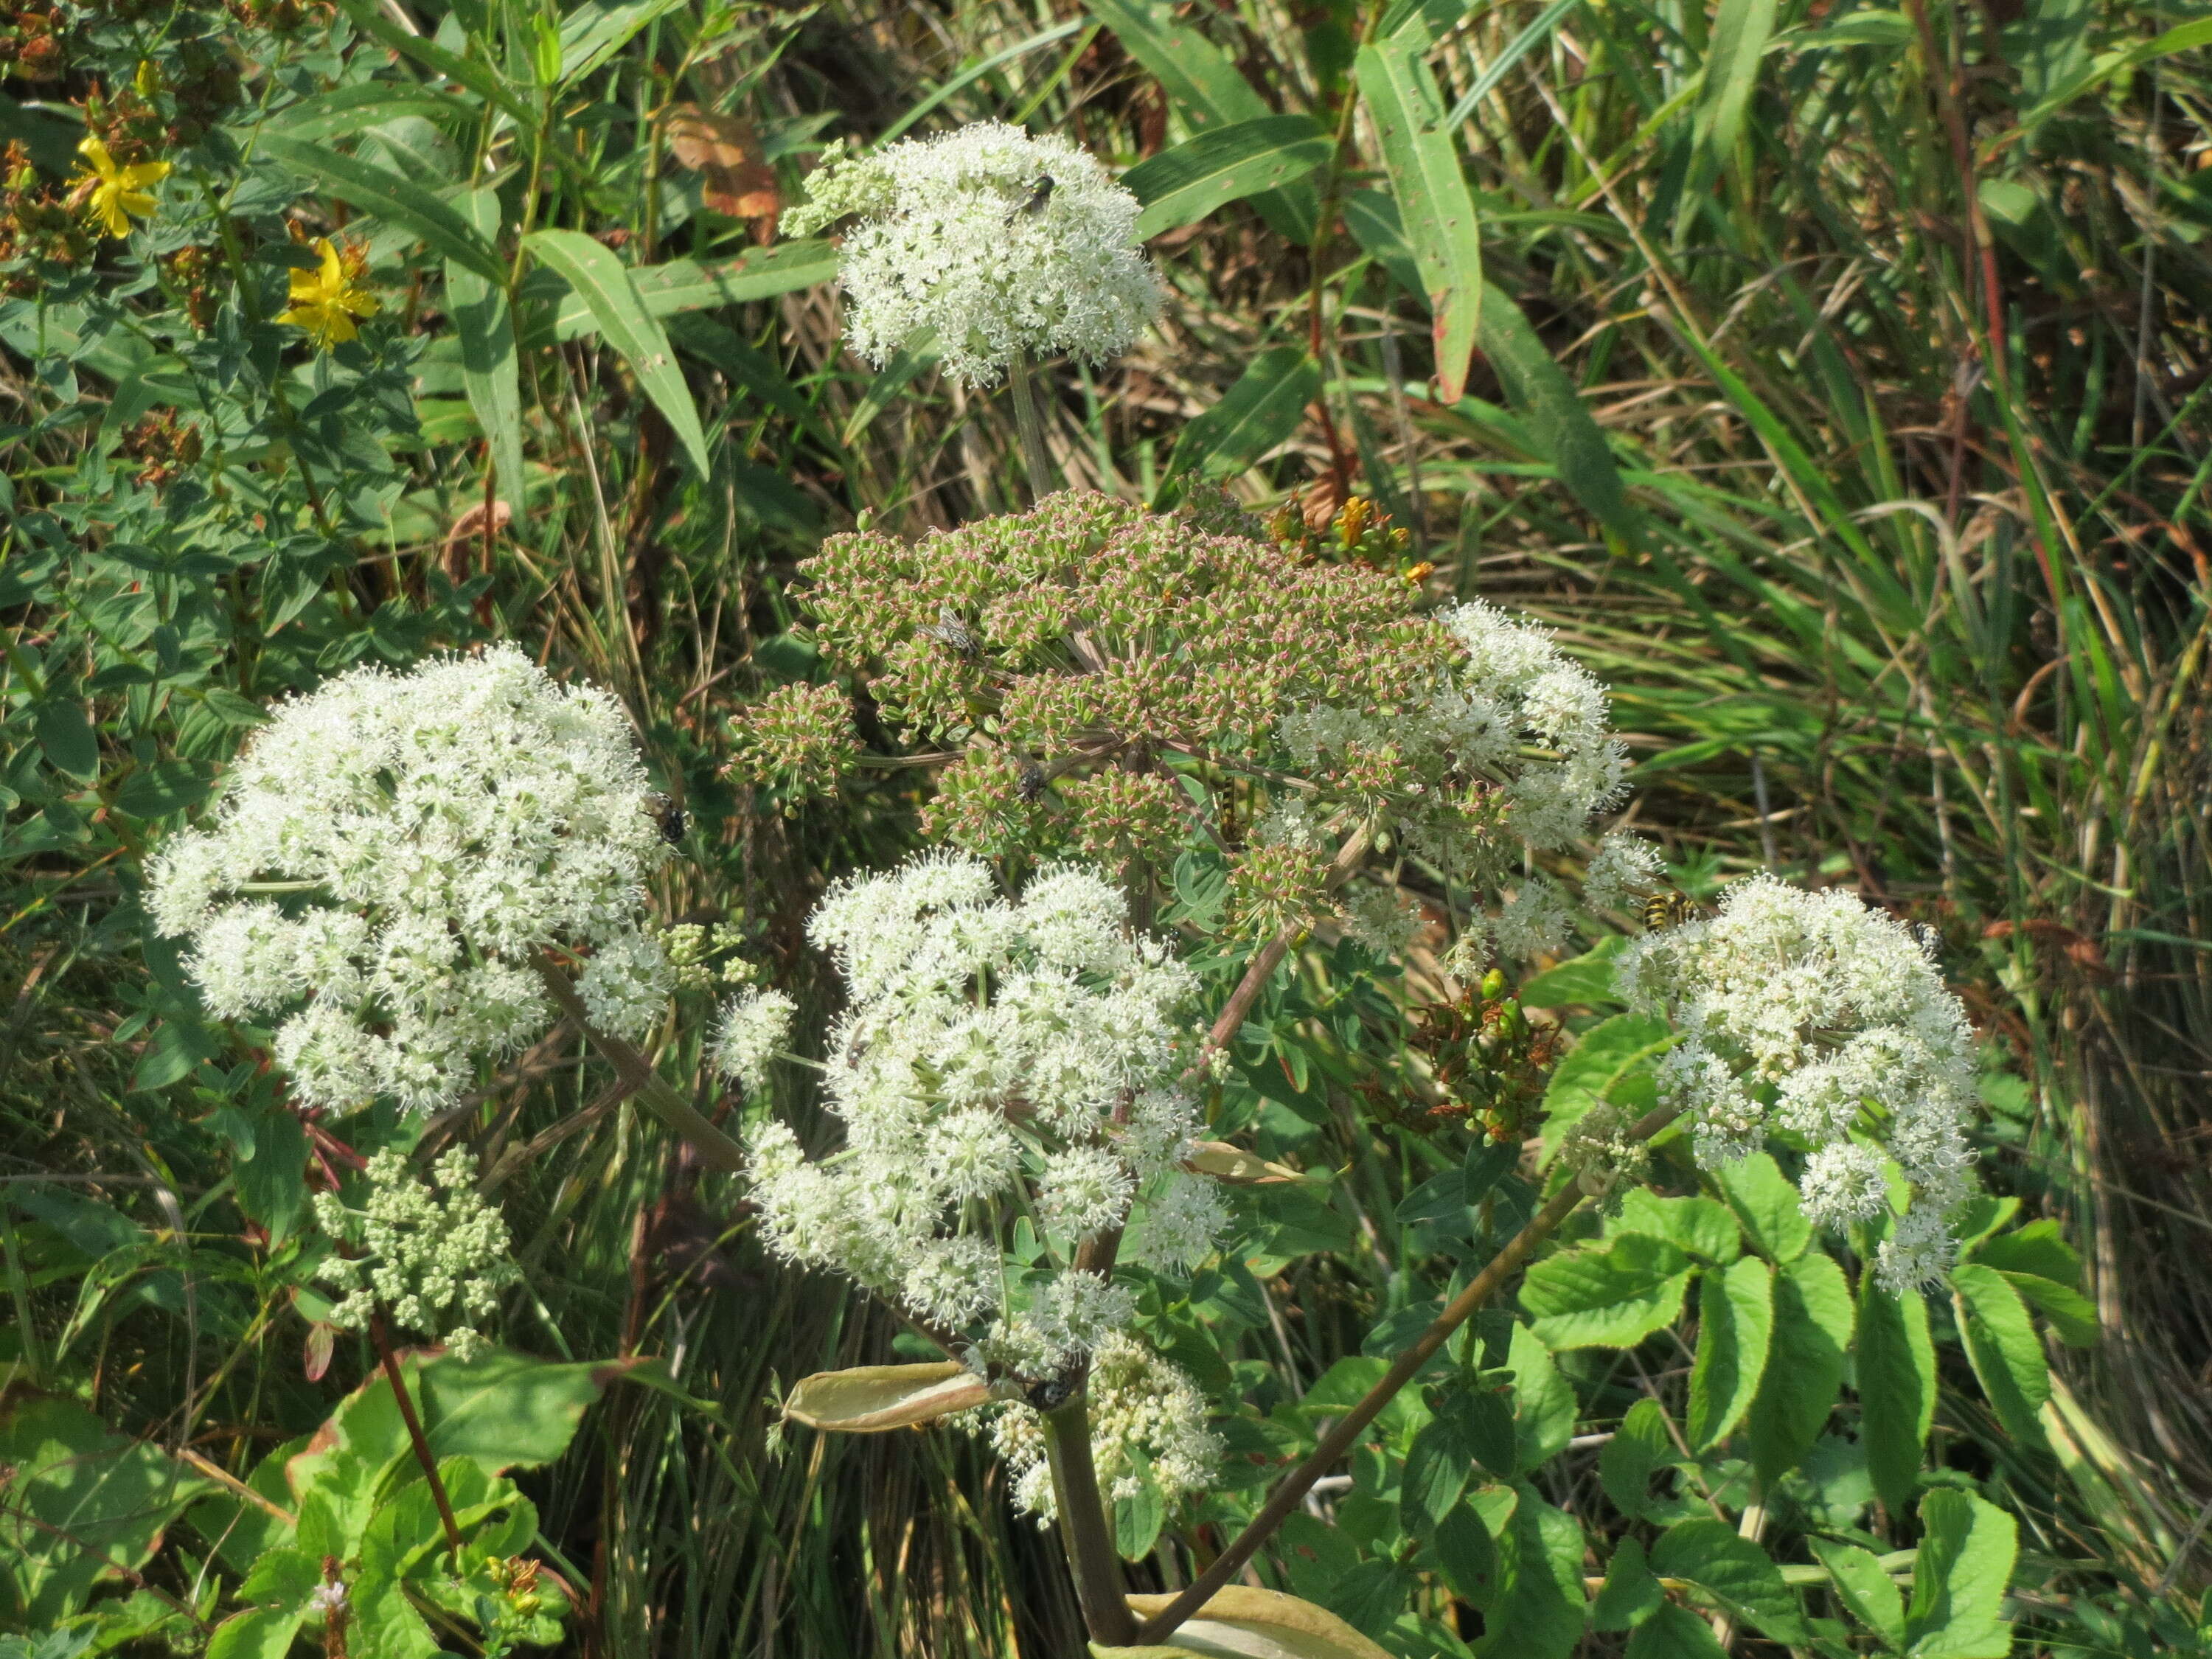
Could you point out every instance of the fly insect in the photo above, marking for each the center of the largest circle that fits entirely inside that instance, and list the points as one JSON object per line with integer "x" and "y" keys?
{"x": 1038, "y": 195}
{"x": 950, "y": 631}
{"x": 674, "y": 821}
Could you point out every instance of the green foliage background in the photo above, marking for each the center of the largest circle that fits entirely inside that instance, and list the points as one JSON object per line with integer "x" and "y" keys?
{"x": 1837, "y": 388}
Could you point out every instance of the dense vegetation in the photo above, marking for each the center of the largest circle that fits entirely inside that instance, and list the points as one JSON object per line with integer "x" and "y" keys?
{"x": 1831, "y": 377}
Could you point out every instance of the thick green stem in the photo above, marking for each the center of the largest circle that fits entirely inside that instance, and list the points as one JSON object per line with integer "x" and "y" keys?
{"x": 1044, "y": 476}
{"x": 1291, "y": 1491}
{"x": 649, "y": 1089}
{"x": 1083, "y": 1529}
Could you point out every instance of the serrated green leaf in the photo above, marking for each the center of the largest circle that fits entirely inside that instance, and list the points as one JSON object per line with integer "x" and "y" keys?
{"x": 1958, "y": 1579}
{"x": 1468, "y": 1558}
{"x": 604, "y": 283}
{"x": 263, "y": 1633}
{"x": 491, "y": 370}
{"x": 1258, "y": 412}
{"x": 1220, "y": 165}
{"x": 1897, "y": 1388}
{"x": 1602, "y": 1057}
{"x": 1543, "y": 1402}
{"x": 1586, "y": 980}
{"x": 1541, "y": 1614}
{"x": 1608, "y": 1297}
{"x": 2036, "y": 1249}
{"x": 1736, "y": 1327}
{"x": 1735, "y": 1572}
{"x": 1639, "y": 1448}
{"x": 399, "y": 201}
{"x": 2073, "y": 1317}
{"x": 1631, "y": 1594}
{"x": 1674, "y": 1632}
{"x": 1866, "y": 1591}
{"x": 2002, "y": 1344}
{"x": 1435, "y": 206}
{"x": 1767, "y": 1205}
{"x": 1805, "y": 1369}
{"x": 1704, "y": 1227}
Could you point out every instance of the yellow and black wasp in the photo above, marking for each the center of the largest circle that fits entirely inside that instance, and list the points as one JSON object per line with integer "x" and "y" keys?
{"x": 1670, "y": 910}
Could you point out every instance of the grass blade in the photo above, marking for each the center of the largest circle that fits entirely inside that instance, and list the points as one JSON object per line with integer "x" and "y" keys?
{"x": 1182, "y": 186}
{"x": 490, "y": 364}
{"x": 385, "y": 194}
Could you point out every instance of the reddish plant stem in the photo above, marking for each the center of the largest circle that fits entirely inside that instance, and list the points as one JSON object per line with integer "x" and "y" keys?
{"x": 1288, "y": 1495}
{"x": 415, "y": 1435}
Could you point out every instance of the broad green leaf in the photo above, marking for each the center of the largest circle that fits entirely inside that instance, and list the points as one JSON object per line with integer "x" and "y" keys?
{"x": 1740, "y": 30}
{"x": 162, "y": 789}
{"x": 1542, "y": 1612}
{"x": 1610, "y": 1297}
{"x": 1586, "y": 979}
{"x": 1243, "y": 1623}
{"x": 1220, "y": 165}
{"x": 507, "y": 1410}
{"x": 1702, "y": 1226}
{"x": 1601, "y": 1058}
{"x": 65, "y": 738}
{"x": 604, "y": 283}
{"x": 2000, "y": 1342}
{"x": 2073, "y": 1317}
{"x": 1468, "y": 1558}
{"x": 1896, "y": 1368}
{"x": 491, "y": 369}
{"x": 1865, "y": 1590}
{"x": 399, "y": 201}
{"x": 1138, "y": 1518}
{"x": 677, "y": 285}
{"x": 869, "y": 1398}
{"x": 480, "y": 78}
{"x": 1734, "y": 1572}
{"x": 1639, "y": 1448}
{"x": 1735, "y": 1327}
{"x": 1805, "y": 1370}
{"x": 1437, "y": 1469}
{"x": 1958, "y": 1579}
{"x": 263, "y": 1633}
{"x": 84, "y": 1505}
{"x": 596, "y": 31}
{"x": 1254, "y": 415}
{"x": 1435, "y": 206}
{"x": 342, "y": 112}
{"x": 1674, "y": 1632}
{"x": 1768, "y": 1205}
{"x": 1536, "y": 386}
{"x": 1201, "y": 82}
{"x": 1543, "y": 1401}
{"x": 1630, "y": 1594}
{"x": 2036, "y": 1249}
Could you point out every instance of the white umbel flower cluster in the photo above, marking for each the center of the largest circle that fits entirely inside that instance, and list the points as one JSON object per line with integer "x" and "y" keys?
{"x": 999, "y": 1061}
{"x": 1000, "y": 242}
{"x": 428, "y": 1257}
{"x": 1514, "y": 751}
{"x": 1140, "y": 1405}
{"x": 1813, "y": 1014}
{"x": 391, "y": 851}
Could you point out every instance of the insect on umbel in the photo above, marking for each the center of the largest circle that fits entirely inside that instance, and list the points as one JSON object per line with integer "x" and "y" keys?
{"x": 1037, "y": 198}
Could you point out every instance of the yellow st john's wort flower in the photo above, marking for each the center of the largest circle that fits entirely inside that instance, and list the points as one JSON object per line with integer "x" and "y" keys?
{"x": 326, "y": 300}
{"x": 114, "y": 195}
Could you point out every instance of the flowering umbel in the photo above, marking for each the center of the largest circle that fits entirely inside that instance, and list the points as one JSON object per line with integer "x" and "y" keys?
{"x": 1811, "y": 1014}
{"x": 1002, "y": 243}
{"x": 390, "y": 856}
{"x": 1001, "y": 1062}
{"x": 114, "y": 195}
{"x": 326, "y": 300}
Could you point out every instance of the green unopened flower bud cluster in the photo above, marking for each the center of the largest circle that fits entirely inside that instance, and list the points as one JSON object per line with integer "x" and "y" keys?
{"x": 434, "y": 1257}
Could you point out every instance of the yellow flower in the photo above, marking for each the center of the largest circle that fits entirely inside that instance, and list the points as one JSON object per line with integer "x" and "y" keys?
{"x": 114, "y": 194}
{"x": 326, "y": 300}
